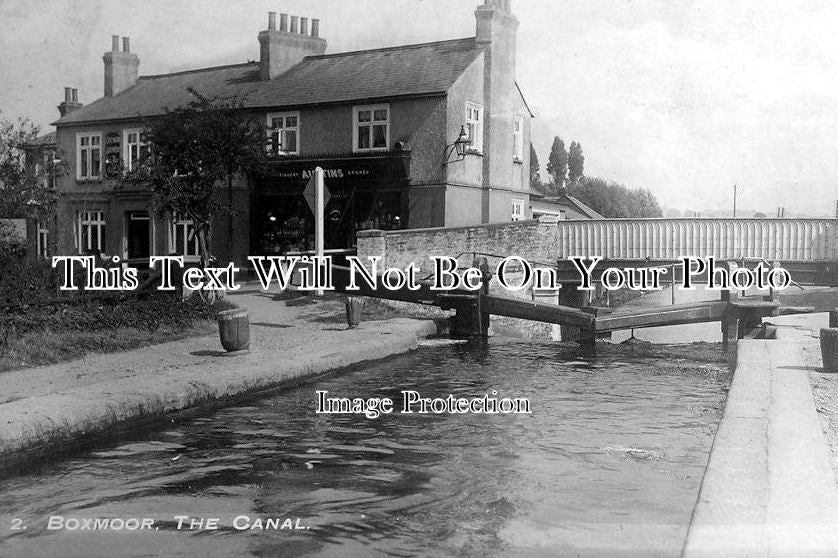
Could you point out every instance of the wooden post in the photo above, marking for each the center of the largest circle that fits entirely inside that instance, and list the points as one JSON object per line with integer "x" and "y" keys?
{"x": 486, "y": 276}
{"x": 672, "y": 288}
{"x": 570, "y": 295}
{"x": 466, "y": 323}
{"x": 730, "y": 320}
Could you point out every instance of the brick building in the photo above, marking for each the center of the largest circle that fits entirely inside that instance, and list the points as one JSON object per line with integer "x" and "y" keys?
{"x": 42, "y": 167}
{"x": 382, "y": 124}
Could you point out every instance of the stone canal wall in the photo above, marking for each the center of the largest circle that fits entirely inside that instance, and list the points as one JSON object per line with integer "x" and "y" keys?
{"x": 527, "y": 239}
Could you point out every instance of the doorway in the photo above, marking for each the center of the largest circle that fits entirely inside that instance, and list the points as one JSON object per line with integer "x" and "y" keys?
{"x": 138, "y": 235}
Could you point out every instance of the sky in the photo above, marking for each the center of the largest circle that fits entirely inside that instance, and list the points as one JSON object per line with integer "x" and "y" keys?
{"x": 684, "y": 97}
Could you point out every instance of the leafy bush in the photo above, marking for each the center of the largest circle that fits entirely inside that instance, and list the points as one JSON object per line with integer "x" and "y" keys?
{"x": 25, "y": 281}
{"x": 158, "y": 310}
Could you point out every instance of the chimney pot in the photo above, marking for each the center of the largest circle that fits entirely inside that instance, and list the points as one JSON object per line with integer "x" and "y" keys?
{"x": 279, "y": 51}
{"x": 70, "y": 103}
{"x": 271, "y": 21}
{"x": 126, "y": 44}
{"x": 114, "y": 43}
{"x": 121, "y": 68}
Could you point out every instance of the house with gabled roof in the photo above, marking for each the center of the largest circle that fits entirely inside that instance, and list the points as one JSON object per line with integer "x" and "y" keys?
{"x": 414, "y": 136}
{"x": 562, "y": 206}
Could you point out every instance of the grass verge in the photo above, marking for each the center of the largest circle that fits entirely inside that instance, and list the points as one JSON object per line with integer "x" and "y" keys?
{"x": 38, "y": 336}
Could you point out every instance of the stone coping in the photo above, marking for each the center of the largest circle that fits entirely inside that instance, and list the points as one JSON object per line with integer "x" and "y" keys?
{"x": 768, "y": 489}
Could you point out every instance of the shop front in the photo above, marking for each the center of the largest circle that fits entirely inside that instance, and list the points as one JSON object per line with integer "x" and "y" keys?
{"x": 368, "y": 192}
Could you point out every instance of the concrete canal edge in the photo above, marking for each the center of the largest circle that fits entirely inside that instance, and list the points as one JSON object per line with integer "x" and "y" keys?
{"x": 37, "y": 428}
{"x": 769, "y": 489}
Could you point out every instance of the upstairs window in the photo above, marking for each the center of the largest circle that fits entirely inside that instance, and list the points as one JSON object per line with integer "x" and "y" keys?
{"x": 371, "y": 131}
{"x": 518, "y": 139}
{"x": 88, "y": 155}
{"x": 474, "y": 126}
{"x": 135, "y": 148}
{"x": 284, "y": 133}
{"x": 90, "y": 233}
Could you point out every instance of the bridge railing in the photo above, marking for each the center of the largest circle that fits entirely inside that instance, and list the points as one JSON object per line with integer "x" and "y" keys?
{"x": 771, "y": 239}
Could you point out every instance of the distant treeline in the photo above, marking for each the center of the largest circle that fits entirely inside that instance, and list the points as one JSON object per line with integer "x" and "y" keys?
{"x": 566, "y": 171}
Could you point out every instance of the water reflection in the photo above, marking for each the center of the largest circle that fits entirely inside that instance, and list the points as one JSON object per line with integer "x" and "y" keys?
{"x": 609, "y": 461}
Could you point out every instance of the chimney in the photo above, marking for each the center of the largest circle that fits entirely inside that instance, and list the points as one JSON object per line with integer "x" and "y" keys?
{"x": 280, "y": 50}
{"x": 121, "y": 67}
{"x": 70, "y": 103}
{"x": 497, "y": 30}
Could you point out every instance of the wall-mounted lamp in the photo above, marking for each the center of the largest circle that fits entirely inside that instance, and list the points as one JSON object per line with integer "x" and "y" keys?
{"x": 460, "y": 147}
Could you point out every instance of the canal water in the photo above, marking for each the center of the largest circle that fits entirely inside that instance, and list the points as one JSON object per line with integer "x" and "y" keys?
{"x": 609, "y": 463}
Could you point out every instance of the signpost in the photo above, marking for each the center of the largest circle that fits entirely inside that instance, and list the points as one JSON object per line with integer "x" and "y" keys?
{"x": 317, "y": 197}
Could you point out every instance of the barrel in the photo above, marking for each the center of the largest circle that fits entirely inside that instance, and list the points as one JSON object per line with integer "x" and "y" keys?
{"x": 829, "y": 349}
{"x": 354, "y": 307}
{"x": 234, "y": 330}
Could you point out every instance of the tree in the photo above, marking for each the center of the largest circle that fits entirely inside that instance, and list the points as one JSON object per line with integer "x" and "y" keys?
{"x": 557, "y": 166}
{"x": 535, "y": 178}
{"x": 194, "y": 149}
{"x": 614, "y": 200}
{"x": 575, "y": 163}
{"x": 22, "y": 194}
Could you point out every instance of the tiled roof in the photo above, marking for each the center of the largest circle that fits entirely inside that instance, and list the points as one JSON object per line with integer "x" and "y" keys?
{"x": 413, "y": 70}
{"x": 584, "y": 209}
{"x": 567, "y": 201}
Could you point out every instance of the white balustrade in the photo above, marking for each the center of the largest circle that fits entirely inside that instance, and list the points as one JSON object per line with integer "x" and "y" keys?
{"x": 637, "y": 239}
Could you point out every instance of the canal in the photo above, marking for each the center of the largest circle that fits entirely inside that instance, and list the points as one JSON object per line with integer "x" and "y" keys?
{"x": 609, "y": 463}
